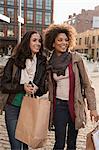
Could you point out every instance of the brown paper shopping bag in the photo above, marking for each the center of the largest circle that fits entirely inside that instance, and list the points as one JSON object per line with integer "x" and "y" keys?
{"x": 95, "y": 137}
{"x": 89, "y": 142}
{"x": 92, "y": 142}
{"x": 33, "y": 121}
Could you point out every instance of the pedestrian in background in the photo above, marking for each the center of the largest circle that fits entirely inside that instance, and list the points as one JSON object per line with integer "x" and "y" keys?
{"x": 29, "y": 78}
{"x": 67, "y": 78}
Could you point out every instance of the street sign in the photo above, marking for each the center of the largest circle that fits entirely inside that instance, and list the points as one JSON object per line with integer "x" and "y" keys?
{"x": 20, "y": 19}
{"x": 4, "y": 18}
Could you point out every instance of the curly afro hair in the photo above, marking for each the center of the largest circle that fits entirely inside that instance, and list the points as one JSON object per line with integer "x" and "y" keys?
{"x": 52, "y": 32}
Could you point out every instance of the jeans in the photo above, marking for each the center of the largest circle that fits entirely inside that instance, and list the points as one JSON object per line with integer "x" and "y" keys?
{"x": 11, "y": 117}
{"x": 62, "y": 120}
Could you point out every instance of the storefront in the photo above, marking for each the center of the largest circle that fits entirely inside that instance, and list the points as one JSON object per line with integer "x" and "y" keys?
{"x": 6, "y": 45}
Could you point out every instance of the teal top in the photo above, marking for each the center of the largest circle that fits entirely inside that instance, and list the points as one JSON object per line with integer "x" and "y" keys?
{"x": 18, "y": 99}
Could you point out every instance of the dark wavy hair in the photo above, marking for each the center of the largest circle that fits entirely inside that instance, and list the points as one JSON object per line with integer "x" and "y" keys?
{"x": 52, "y": 32}
{"x": 22, "y": 51}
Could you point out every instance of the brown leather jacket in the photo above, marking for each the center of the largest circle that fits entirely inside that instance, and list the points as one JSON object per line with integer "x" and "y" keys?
{"x": 15, "y": 87}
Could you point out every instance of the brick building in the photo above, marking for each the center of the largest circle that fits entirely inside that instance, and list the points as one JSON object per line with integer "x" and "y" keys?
{"x": 84, "y": 20}
{"x": 37, "y": 14}
{"x": 88, "y": 43}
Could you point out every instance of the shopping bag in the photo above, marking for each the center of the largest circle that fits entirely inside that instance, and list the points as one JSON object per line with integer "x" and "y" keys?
{"x": 92, "y": 142}
{"x": 89, "y": 142}
{"x": 33, "y": 121}
{"x": 95, "y": 137}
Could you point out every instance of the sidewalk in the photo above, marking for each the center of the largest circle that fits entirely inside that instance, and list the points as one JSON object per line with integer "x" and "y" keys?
{"x": 81, "y": 140}
{"x": 4, "y": 144}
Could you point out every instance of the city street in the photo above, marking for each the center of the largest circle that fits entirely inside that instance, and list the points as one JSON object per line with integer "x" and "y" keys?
{"x": 81, "y": 141}
{"x": 30, "y": 28}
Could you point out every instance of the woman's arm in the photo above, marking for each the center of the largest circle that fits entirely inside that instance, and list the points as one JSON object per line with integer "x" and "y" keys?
{"x": 40, "y": 77}
{"x": 11, "y": 84}
{"x": 89, "y": 90}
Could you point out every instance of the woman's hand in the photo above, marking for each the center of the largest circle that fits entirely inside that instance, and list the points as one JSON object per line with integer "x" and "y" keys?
{"x": 28, "y": 88}
{"x": 94, "y": 115}
{"x": 57, "y": 78}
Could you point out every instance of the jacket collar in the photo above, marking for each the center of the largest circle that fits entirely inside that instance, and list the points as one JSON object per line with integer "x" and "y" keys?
{"x": 75, "y": 57}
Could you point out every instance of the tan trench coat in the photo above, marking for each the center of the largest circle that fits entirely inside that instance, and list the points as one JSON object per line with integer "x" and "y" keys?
{"x": 79, "y": 103}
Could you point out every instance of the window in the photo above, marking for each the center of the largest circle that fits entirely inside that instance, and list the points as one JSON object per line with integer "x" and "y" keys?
{"x": 93, "y": 40}
{"x": 86, "y": 51}
{"x": 98, "y": 39}
{"x": 79, "y": 41}
{"x": 30, "y": 3}
{"x": 1, "y": 1}
{"x": 28, "y": 28}
{"x": 85, "y": 40}
{"x": 10, "y": 13}
{"x": 39, "y": 4}
{"x": 22, "y": 13}
{"x": 39, "y": 29}
{"x": 10, "y": 2}
{"x": 22, "y": 3}
{"x": 47, "y": 18}
{"x": 93, "y": 51}
{"x": 10, "y": 31}
{"x": 1, "y": 30}
{"x": 38, "y": 17}
{"x": 29, "y": 16}
{"x": 48, "y": 4}
{"x": 1, "y": 10}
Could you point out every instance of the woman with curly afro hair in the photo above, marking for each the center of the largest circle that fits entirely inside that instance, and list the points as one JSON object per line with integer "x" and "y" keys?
{"x": 67, "y": 78}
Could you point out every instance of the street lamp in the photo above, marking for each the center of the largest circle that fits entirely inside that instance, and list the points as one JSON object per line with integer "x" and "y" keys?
{"x": 21, "y": 21}
{"x": 4, "y": 18}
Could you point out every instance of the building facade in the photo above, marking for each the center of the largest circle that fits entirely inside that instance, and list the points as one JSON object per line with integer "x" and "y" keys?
{"x": 88, "y": 43}
{"x": 37, "y": 14}
{"x": 84, "y": 20}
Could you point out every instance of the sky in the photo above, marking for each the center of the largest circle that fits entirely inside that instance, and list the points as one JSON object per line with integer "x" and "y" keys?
{"x": 63, "y": 8}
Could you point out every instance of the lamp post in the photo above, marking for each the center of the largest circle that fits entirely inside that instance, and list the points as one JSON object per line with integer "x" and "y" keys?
{"x": 19, "y": 38}
{"x": 20, "y": 21}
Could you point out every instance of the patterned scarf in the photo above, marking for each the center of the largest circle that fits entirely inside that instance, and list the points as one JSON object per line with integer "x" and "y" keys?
{"x": 58, "y": 64}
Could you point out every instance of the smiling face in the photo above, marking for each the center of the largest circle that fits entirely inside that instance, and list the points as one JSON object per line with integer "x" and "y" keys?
{"x": 61, "y": 43}
{"x": 35, "y": 43}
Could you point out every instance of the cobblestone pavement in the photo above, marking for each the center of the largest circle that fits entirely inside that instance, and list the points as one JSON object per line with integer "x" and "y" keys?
{"x": 81, "y": 140}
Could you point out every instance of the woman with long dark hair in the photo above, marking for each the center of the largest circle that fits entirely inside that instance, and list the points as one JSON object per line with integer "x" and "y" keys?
{"x": 29, "y": 78}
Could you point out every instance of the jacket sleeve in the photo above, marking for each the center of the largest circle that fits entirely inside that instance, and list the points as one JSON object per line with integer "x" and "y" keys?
{"x": 8, "y": 84}
{"x": 87, "y": 84}
{"x": 40, "y": 79}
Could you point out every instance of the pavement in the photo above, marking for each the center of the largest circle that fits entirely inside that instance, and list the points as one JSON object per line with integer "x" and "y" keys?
{"x": 81, "y": 140}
